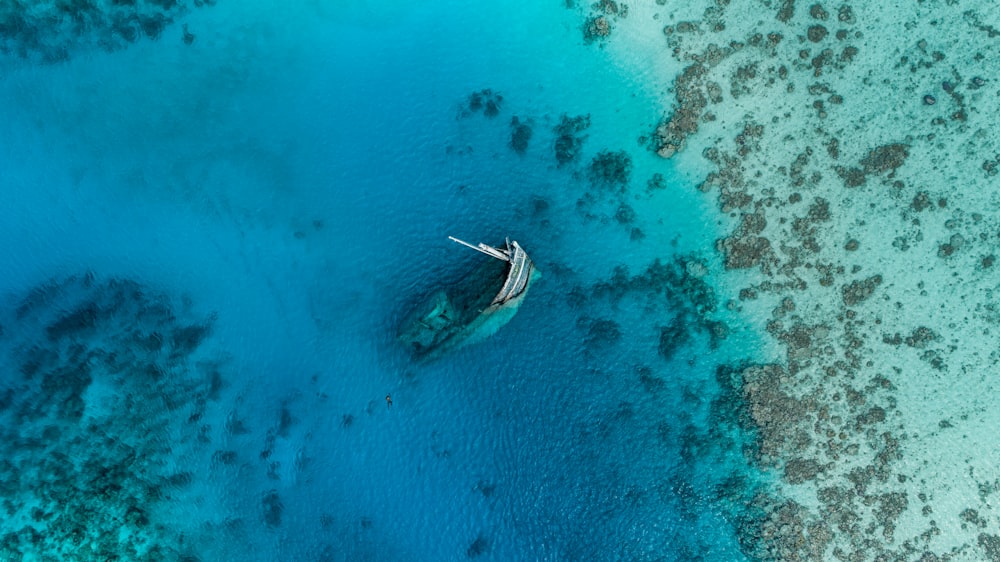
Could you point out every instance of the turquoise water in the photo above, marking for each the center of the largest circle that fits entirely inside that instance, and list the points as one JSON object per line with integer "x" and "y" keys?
{"x": 249, "y": 216}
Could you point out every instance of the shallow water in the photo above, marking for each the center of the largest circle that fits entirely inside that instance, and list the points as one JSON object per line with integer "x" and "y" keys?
{"x": 288, "y": 181}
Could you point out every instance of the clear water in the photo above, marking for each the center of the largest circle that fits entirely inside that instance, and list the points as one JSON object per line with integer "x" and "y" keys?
{"x": 289, "y": 179}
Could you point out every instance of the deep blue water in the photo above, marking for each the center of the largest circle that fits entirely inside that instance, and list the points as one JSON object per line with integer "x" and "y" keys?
{"x": 288, "y": 180}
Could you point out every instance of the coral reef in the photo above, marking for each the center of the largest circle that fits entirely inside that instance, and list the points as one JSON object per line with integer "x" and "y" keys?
{"x": 569, "y": 140}
{"x": 691, "y": 101}
{"x": 520, "y": 135}
{"x": 486, "y": 101}
{"x": 682, "y": 288}
{"x": 598, "y": 25}
{"x": 55, "y": 30}
{"x": 110, "y": 376}
{"x": 611, "y": 170}
{"x": 856, "y": 219}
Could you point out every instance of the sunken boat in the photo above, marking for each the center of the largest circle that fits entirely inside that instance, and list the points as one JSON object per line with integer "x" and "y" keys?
{"x": 475, "y": 308}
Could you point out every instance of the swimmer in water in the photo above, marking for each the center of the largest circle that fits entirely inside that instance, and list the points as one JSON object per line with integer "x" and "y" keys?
{"x": 388, "y": 400}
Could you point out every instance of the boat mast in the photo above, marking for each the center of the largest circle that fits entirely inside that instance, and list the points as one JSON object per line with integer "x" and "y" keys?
{"x": 488, "y": 250}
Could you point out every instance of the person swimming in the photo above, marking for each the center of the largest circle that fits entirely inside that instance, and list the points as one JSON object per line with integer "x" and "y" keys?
{"x": 388, "y": 400}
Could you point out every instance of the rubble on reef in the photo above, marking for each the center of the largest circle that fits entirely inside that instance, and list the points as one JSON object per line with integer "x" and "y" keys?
{"x": 55, "y": 31}
{"x": 772, "y": 104}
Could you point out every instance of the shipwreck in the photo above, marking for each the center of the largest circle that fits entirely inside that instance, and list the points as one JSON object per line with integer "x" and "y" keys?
{"x": 473, "y": 309}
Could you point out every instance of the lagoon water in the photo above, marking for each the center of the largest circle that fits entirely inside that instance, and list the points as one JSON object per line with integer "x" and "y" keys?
{"x": 208, "y": 247}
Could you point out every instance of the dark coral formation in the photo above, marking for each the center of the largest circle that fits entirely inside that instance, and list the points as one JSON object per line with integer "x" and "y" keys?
{"x": 885, "y": 158}
{"x": 816, "y": 33}
{"x": 478, "y": 547}
{"x": 856, "y": 292}
{"x": 878, "y": 161}
{"x": 691, "y": 102}
{"x": 601, "y": 333}
{"x": 596, "y": 28}
{"x": 486, "y": 101}
{"x": 786, "y": 10}
{"x": 52, "y": 32}
{"x": 799, "y": 470}
{"x": 611, "y": 170}
{"x": 771, "y": 407}
{"x": 520, "y": 134}
{"x": 784, "y": 530}
{"x": 107, "y": 377}
{"x": 990, "y": 544}
{"x": 673, "y": 336}
{"x": 598, "y": 24}
{"x": 745, "y": 247}
{"x": 679, "y": 285}
{"x": 608, "y": 201}
{"x": 569, "y": 137}
{"x": 656, "y": 183}
{"x": 272, "y": 508}
{"x": 625, "y": 214}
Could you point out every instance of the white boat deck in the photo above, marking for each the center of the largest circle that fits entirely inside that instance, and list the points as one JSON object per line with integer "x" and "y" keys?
{"x": 518, "y": 273}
